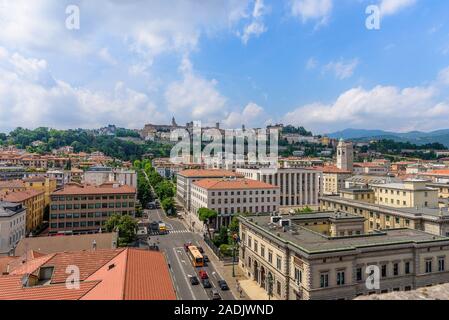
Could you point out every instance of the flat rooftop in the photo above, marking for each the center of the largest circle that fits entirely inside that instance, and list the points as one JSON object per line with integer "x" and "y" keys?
{"x": 412, "y": 212}
{"x": 313, "y": 242}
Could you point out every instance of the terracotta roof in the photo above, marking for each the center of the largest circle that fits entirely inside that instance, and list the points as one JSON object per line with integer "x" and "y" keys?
{"x": 440, "y": 172}
{"x": 235, "y": 184}
{"x": 208, "y": 173}
{"x": 333, "y": 169}
{"x": 12, "y": 289}
{"x": 12, "y": 184}
{"x": 20, "y": 196}
{"x": 146, "y": 271}
{"x": 74, "y": 189}
{"x": 66, "y": 243}
{"x": 129, "y": 274}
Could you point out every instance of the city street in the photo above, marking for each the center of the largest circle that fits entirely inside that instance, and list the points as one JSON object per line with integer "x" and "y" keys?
{"x": 180, "y": 266}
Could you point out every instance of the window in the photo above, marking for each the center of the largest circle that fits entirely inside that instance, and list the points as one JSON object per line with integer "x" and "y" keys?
{"x": 278, "y": 263}
{"x": 262, "y": 251}
{"x": 298, "y": 276}
{"x": 441, "y": 264}
{"x": 270, "y": 256}
{"x": 384, "y": 270}
{"x": 340, "y": 278}
{"x": 324, "y": 280}
{"x": 428, "y": 266}
{"x": 407, "y": 267}
{"x": 395, "y": 269}
{"x": 359, "y": 274}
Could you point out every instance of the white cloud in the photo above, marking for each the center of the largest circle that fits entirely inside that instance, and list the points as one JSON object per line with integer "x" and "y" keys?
{"x": 195, "y": 97}
{"x": 251, "y": 116}
{"x": 312, "y": 10}
{"x": 390, "y": 7}
{"x": 257, "y": 26}
{"x": 31, "y": 97}
{"x": 106, "y": 56}
{"x": 342, "y": 69}
{"x": 382, "y": 107}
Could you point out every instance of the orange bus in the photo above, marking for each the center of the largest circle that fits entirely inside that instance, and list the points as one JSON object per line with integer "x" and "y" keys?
{"x": 195, "y": 256}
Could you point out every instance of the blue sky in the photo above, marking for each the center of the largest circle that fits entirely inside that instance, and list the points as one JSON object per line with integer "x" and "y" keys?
{"x": 301, "y": 62}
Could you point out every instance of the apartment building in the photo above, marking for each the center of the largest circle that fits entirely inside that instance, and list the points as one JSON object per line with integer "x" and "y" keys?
{"x": 11, "y": 173}
{"x": 33, "y": 201}
{"x": 86, "y": 208}
{"x": 410, "y": 193}
{"x": 99, "y": 175}
{"x": 233, "y": 196}
{"x": 47, "y": 185}
{"x": 299, "y": 187}
{"x": 333, "y": 179}
{"x": 12, "y": 226}
{"x": 326, "y": 256}
{"x": 186, "y": 178}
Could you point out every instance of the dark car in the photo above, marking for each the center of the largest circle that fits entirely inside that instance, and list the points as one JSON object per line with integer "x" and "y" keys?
{"x": 206, "y": 283}
{"x": 200, "y": 249}
{"x": 215, "y": 295}
{"x": 194, "y": 281}
{"x": 205, "y": 258}
{"x": 223, "y": 285}
{"x": 154, "y": 226}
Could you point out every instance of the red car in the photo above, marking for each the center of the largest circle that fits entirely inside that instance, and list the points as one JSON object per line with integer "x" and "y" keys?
{"x": 203, "y": 274}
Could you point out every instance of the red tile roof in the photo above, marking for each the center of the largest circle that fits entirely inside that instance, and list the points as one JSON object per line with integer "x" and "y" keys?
{"x": 234, "y": 184}
{"x": 217, "y": 173}
{"x": 76, "y": 189}
{"x": 440, "y": 172}
{"x": 118, "y": 274}
{"x": 20, "y": 196}
{"x": 334, "y": 169}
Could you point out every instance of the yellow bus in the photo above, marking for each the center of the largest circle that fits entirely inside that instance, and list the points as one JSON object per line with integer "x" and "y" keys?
{"x": 195, "y": 256}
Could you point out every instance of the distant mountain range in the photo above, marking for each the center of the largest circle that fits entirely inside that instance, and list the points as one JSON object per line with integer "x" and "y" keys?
{"x": 415, "y": 137}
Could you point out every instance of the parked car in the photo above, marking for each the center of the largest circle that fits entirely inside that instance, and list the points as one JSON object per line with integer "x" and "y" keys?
{"x": 215, "y": 294}
{"x": 203, "y": 274}
{"x": 223, "y": 285}
{"x": 194, "y": 281}
{"x": 206, "y": 283}
{"x": 200, "y": 249}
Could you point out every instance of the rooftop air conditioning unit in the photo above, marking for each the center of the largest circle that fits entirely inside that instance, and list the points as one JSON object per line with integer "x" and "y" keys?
{"x": 285, "y": 222}
{"x": 275, "y": 219}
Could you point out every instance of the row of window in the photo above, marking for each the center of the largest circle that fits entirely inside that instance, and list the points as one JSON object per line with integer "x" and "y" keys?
{"x": 98, "y": 205}
{"x": 238, "y": 200}
{"x": 238, "y": 193}
{"x": 269, "y": 257}
{"x": 245, "y": 209}
{"x": 81, "y": 224}
{"x": 84, "y": 198}
{"x": 54, "y": 216}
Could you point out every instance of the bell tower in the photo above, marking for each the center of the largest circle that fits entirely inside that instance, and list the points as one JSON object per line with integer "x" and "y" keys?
{"x": 345, "y": 155}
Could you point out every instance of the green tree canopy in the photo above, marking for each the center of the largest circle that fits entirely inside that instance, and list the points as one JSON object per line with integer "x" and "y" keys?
{"x": 126, "y": 227}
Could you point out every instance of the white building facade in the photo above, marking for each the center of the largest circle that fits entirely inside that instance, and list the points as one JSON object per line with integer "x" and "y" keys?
{"x": 299, "y": 187}
{"x": 12, "y": 226}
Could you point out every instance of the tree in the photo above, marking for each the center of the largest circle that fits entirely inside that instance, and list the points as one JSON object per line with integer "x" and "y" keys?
{"x": 168, "y": 205}
{"x": 222, "y": 237}
{"x": 304, "y": 210}
{"x": 206, "y": 216}
{"x": 164, "y": 190}
{"x": 126, "y": 227}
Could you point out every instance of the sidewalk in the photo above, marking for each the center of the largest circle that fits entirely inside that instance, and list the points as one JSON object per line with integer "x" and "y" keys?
{"x": 254, "y": 291}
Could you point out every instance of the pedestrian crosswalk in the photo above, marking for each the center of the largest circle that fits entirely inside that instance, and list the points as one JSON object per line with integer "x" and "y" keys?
{"x": 178, "y": 231}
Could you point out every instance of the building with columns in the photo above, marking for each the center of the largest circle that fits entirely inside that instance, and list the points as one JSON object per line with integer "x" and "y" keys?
{"x": 327, "y": 256}
{"x": 299, "y": 187}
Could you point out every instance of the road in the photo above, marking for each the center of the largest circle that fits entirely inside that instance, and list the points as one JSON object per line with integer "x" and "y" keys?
{"x": 180, "y": 266}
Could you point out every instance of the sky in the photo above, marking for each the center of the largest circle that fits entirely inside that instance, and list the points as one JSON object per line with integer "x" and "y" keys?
{"x": 311, "y": 63}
